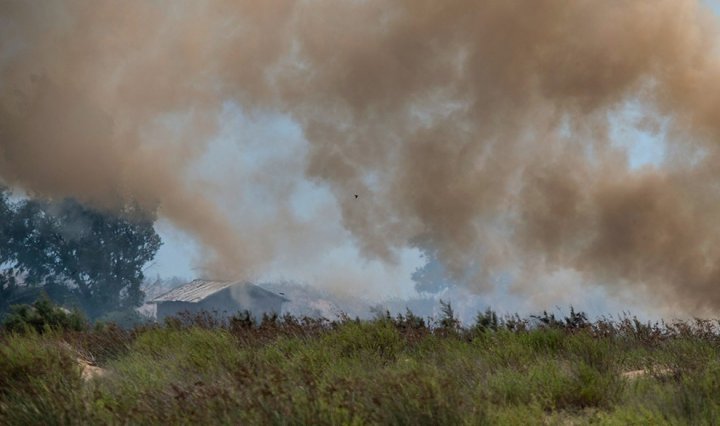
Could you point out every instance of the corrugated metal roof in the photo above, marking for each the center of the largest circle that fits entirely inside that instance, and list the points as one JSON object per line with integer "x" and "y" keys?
{"x": 198, "y": 290}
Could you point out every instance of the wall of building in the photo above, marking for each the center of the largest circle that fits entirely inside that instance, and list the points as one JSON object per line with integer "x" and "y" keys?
{"x": 223, "y": 304}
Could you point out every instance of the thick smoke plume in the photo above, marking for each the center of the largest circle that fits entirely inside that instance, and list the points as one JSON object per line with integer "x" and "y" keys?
{"x": 480, "y": 129}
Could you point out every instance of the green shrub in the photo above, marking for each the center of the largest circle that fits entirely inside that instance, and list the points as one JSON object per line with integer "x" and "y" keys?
{"x": 24, "y": 359}
{"x": 40, "y": 382}
{"x": 590, "y": 387}
{"x": 487, "y": 321}
{"x": 695, "y": 397}
{"x": 543, "y": 341}
{"x": 447, "y": 322}
{"x": 361, "y": 338}
{"x": 387, "y": 371}
{"x": 129, "y": 318}
{"x": 195, "y": 349}
{"x": 42, "y": 316}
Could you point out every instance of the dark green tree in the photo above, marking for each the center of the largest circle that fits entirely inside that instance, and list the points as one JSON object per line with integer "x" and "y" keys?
{"x": 76, "y": 254}
{"x": 8, "y": 255}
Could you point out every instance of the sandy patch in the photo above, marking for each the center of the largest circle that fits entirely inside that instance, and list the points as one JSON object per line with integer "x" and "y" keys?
{"x": 90, "y": 371}
{"x": 657, "y": 372}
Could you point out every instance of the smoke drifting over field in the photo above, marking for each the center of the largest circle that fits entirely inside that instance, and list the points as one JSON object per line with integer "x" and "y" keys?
{"x": 480, "y": 129}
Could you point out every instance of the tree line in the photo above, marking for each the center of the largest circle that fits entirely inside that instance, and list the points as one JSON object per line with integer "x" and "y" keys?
{"x": 79, "y": 256}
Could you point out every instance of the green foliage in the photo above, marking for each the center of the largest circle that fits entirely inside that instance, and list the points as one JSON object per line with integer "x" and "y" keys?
{"x": 448, "y": 321}
{"x": 76, "y": 254}
{"x": 39, "y": 382}
{"x": 487, "y": 321}
{"x": 42, "y": 316}
{"x": 573, "y": 322}
{"x": 27, "y": 359}
{"x": 127, "y": 318}
{"x": 365, "y": 338}
{"x": 391, "y": 370}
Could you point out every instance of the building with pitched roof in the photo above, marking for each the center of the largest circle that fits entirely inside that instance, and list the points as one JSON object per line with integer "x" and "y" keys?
{"x": 220, "y": 298}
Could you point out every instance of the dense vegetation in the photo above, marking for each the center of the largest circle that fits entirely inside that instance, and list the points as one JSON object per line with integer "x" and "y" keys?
{"x": 77, "y": 255}
{"x": 392, "y": 370}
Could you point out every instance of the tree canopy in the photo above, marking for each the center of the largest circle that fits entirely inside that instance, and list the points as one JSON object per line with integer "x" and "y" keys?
{"x": 78, "y": 255}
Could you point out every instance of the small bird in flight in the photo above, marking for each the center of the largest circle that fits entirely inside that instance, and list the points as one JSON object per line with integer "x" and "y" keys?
{"x": 356, "y": 195}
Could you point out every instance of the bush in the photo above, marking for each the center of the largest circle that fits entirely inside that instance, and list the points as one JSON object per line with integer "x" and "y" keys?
{"x": 486, "y": 321}
{"x": 362, "y": 338}
{"x": 391, "y": 370}
{"x": 23, "y": 360}
{"x": 447, "y": 321}
{"x": 126, "y": 319}
{"x": 40, "y": 382}
{"x": 42, "y": 316}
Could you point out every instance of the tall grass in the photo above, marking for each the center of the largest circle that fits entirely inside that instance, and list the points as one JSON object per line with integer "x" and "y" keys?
{"x": 392, "y": 370}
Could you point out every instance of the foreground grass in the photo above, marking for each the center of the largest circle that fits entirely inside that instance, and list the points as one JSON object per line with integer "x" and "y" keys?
{"x": 387, "y": 371}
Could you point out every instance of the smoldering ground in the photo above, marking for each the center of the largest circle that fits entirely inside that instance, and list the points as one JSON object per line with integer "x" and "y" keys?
{"x": 477, "y": 129}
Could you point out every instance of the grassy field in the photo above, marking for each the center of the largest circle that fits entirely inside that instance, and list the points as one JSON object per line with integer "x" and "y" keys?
{"x": 392, "y": 370}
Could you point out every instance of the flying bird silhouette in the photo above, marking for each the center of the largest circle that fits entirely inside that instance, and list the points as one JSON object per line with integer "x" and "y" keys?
{"x": 356, "y": 195}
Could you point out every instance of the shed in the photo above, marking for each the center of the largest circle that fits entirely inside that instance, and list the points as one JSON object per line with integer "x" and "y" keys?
{"x": 221, "y": 298}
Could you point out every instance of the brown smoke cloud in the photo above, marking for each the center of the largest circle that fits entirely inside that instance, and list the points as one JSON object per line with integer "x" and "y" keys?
{"x": 478, "y": 128}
